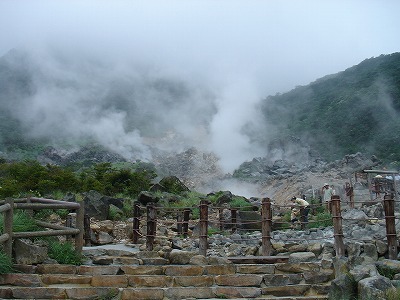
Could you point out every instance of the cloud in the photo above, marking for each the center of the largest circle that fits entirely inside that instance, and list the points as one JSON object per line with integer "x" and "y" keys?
{"x": 128, "y": 72}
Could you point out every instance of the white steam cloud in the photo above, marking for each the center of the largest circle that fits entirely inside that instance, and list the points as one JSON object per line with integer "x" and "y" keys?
{"x": 130, "y": 73}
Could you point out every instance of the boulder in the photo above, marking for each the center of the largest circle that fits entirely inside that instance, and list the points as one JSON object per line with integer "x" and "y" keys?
{"x": 146, "y": 197}
{"x": 173, "y": 185}
{"x": 344, "y": 287}
{"x": 299, "y": 257}
{"x": 178, "y": 257}
{"x": 98, "y": 206}
{"x": 25, "y": 252}
{"x": 376, "y": 287}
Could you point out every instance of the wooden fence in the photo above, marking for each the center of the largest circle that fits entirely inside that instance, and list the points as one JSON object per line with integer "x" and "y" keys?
{"x": 8, "y": 206}
{"x": 266, "y": 225}
{"x": 81, "y": 232}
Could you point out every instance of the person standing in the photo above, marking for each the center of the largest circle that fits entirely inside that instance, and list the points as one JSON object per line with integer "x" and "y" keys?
{"x": 327, "y": 193}
{"x": 303, "y": 205}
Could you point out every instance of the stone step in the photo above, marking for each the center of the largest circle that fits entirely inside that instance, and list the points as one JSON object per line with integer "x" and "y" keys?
{"x": 7, "y": 292}
{"x": 155, "y": 293}
{"x": 296, "y": 290}
{"x": 231, "y": 281}
{"x": 258, "y": 259}
{"x": 272, "y": 282}
{"x": 230, "y": 274}
{"x": 317, "y": 297}
{"x": 170, "y": 268}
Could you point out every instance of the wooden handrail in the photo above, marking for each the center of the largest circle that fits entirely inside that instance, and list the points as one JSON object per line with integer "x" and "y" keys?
{"x": 4, "y": 237}
{"x": 38, "y": 206}
{"x": 31, "y": 234}
{"x": 9, "y": 205}
{"x": 5, "y": 207}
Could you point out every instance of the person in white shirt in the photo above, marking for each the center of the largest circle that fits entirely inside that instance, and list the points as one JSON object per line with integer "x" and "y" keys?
{"x": 304, "y": 208}
{"x": 327, "y": 193}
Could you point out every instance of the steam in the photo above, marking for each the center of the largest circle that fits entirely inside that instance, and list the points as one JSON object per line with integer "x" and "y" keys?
{"x": 236, "y": 109}
{"x": 174, "y": 74}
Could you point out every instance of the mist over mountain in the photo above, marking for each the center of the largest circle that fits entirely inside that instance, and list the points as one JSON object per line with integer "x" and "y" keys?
{"x": 65, "y": 111}
{"x": 357, "y": 110}
{"x": 128, "y": 109}
{"x": 138, "y": 112}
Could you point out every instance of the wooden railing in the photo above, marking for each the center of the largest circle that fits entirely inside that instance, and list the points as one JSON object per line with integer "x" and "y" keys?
{"x": 265, "y": 224}
{"x": 34, "y": 204}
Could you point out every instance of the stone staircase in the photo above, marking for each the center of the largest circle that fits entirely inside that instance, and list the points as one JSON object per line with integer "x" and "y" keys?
{"x": 156, "y": 280}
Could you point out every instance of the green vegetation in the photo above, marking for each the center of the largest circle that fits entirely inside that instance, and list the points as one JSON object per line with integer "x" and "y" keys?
{"x": 356, "y": 110}
{"x": 22, "y": 222}
{"x": 240, "y": 203}
{"x": 393, "y": 294}
{"x": 322, "y": 219}
{"x": 6, "y": 265}
{"x": 64, "y": 253}
{"x": 19, "y": 179}
{"x": 386, "y": 271}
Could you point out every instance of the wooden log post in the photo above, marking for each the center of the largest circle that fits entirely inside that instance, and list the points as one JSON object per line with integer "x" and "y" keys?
{"x": 80, "y": 215}
{"x": 203, "y": 243}
{"x": 68, "y": 223}
{"x": 266, "y": 225}
{"x": 135, "y": 222}
{"x": 234, "y": 219}
{"x": 179, "y": 221}
{"x": 8, "y": 227}
{"x": 185, "y": 225}
{"x": 151, "y": 226}
{"x": 30, "y": 212}
{"x": 221, "y": 218}
{"x": 302, "y": 218}
{"x": 337, "y": 226}
{"x": 86, "y": 225}
{"x": 388, "y": 203}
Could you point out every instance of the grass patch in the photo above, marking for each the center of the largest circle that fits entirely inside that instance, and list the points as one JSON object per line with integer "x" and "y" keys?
{"x": 22, "y": 222}
{"x": 6, "y": 265}
{"x": 64, "y": 253}
{"x": 240, "y": 203}
{"x": 323, "y": 219}
{"x": 393, "y": 294}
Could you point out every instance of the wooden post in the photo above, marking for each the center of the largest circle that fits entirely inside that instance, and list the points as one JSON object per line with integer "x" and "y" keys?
{"x": 221, "y": 218}
{"x": 8, "y": 227}
{"x": 30, "y": 212}
{"x": 151, "y": 226}
{"x": 80, "y": 214}
{"x": 185, "y": 225}
{"x": 266, "y": 224}
{"x": 203, "y": 227}
{"x": 86, "y": 225}
{"x": 179, "y": 221}
{"x": 68, "y": 223}
{"x": 396, "y": 195}
{"x": 337, "y": 226}
{"x": 302, "y": 218}
{"x": 388, "y": 203}
{"x": 234, "y": 219}
{"x": 370, "y": 187}
{"x": 136, "y": 222}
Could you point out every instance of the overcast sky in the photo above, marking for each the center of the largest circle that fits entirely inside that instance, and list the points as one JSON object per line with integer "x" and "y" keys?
{"x": 281, "y": 43}
{"x": 245, "y": 50}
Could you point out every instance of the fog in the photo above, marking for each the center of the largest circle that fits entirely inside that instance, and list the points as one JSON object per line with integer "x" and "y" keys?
{"x": 192, "y": 71}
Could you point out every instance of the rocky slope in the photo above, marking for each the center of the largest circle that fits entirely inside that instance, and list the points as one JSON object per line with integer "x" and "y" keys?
{"x": 276, "y": 177}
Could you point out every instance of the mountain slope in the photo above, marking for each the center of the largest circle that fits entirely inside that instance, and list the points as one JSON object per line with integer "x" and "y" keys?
{"x": 355, "y": 110}
{"x": 134, "y": 113}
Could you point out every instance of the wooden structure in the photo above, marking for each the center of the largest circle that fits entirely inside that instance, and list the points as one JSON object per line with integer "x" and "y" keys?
{"x": 33, "y": 204}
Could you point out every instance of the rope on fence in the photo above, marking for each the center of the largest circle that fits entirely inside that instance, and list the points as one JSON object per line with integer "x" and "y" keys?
{"x": 263, "y": 234}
